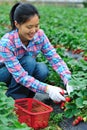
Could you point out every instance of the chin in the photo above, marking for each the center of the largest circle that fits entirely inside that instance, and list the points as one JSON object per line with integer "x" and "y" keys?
{"x": 30, "y": 38}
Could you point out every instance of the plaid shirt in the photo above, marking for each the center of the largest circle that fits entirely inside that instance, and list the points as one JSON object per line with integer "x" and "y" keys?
{"x": 12, "y": 49}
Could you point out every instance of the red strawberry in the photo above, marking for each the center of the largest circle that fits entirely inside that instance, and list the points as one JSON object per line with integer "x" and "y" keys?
{"x": 75, "y": 122}
{"x": 68, "y": 99}
{"x": 85, "y": 58}
{"x": 79, "y": 118}
{"x": 62, "y": 106}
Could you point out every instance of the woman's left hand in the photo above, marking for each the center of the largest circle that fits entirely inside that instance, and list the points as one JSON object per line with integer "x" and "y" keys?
{"x": 69, "y": 89}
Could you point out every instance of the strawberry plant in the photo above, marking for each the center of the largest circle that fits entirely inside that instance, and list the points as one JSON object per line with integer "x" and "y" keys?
{"x": 77, "y": 107}
{"x": 56, "y": 118}
{"x": 8, "y": 119}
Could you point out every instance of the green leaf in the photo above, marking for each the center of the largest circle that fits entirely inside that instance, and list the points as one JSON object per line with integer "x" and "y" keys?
{"x": 79, "y": 102}
{"x": 85, "y": 102}
{"x": 68, "y": 113}
{"x": 70, "y": 105}
{"x": 85, "y": 93}
{"x": 80, "y": 94}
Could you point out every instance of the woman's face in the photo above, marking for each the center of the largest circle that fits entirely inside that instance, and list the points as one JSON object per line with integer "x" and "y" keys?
{"x": 28, "y": 29}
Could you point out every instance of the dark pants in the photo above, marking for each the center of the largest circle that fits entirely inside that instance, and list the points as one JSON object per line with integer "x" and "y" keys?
{"x": 36, "y": 69}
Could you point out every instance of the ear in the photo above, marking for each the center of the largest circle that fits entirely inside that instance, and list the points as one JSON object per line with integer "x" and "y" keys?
{"x": 16, "y": 24}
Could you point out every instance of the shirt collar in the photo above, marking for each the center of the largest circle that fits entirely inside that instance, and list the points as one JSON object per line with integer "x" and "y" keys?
{"x": 18, "y": 42}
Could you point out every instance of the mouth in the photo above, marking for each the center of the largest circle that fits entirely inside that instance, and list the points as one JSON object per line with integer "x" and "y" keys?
{"x": 31, "y": 34}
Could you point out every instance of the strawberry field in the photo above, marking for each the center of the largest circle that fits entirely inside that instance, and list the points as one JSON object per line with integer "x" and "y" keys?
{"x": 67, "y": 31}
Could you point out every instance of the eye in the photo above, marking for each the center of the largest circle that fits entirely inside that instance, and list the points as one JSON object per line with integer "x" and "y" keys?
{"x": 37, "y": 26}
{"x": 29, "y": 27}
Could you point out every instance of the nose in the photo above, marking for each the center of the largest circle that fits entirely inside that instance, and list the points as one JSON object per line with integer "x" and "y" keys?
{"x": 33, "y": 30}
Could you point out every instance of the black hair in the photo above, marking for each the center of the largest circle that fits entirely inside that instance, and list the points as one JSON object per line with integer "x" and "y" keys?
{"x": 21, "y": 12}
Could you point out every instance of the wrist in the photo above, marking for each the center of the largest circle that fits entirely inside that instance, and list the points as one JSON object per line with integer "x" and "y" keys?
{"x": 67, "y": 79}
{"x": 46, "y": 89}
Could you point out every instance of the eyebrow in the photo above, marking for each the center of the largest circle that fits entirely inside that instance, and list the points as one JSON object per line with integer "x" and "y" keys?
{"x": 32, "y": 25}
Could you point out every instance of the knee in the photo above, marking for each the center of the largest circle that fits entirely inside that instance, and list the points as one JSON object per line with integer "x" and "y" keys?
{"x": 28, "y": 63}
{"x": 27, "y": 60}
{"x": 5, "y": 76}
{"x": 41, "y": 71}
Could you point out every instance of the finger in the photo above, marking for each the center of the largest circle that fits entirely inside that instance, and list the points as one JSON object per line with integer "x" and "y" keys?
{"x": 58, "y": 99}
{"x": 65, "y": 91}
{"x": 61, "y": 97}
{"x": 69, "y": 93}
{"x": 62, "y": 90}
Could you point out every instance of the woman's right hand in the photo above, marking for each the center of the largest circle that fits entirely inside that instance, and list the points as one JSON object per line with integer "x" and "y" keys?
{"x": 55, "y": 93}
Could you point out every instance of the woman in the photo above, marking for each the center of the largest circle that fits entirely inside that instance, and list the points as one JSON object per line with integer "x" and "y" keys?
{"x": 18, "y": 50}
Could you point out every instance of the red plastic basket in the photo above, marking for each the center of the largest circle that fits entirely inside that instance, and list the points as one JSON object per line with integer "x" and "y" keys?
{"x": 33, "y": 112}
